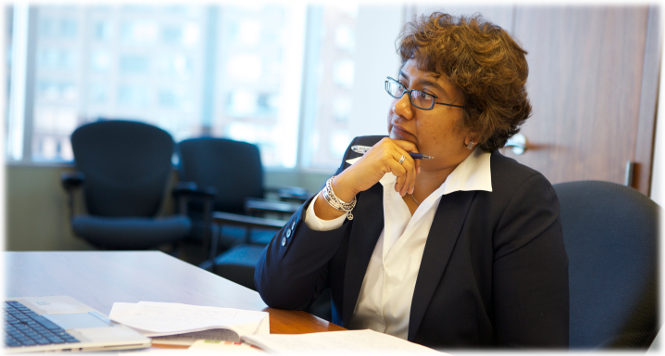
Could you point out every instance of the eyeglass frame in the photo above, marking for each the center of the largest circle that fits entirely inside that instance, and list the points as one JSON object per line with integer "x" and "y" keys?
{"x": 408, "y": 91}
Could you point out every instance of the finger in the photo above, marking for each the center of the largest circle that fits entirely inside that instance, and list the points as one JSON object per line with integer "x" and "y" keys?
{"x": 410, "y": 182}
{"x": 409, "y": 147}
{"x": 406, "y": 145}
{"x": 400, "y": 173}
{"x": 389, "y": 146}
{"x": 406, "y": 181}
{"x": 409, "y": 165}
{"x": 416, "y": 162}
{"x": 412, "y": 176}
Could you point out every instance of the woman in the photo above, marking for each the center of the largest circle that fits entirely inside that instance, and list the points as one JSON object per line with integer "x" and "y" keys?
{"x": 461, "y": 250}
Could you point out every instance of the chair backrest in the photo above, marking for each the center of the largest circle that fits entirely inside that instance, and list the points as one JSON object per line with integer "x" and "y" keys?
{"x": 233, "y": 167}
{"x": 127, "y": 166}
{"x": 610, "y": 233}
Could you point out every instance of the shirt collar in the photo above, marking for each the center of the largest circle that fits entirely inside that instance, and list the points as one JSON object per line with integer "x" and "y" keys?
{"x": 472, "y": 174}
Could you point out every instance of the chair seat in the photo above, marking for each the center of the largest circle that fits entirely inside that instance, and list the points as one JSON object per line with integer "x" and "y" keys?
{"x": 238, "y": 264}
{"x": 130, "y": 233}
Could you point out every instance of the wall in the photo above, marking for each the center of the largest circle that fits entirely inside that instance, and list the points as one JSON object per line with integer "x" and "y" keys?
{"x": 37, "y": 214}
{"x": 658, "y": 173}
{"x": 36, "y": 210}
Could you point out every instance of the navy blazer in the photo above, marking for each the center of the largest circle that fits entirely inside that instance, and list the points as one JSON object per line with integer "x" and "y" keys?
{"x": 494, "y": 272}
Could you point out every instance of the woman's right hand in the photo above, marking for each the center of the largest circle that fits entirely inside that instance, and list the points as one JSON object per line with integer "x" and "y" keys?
{"x": 382, "y": 158}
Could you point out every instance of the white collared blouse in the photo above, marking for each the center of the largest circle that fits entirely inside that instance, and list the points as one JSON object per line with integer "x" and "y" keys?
{"x": 384, "y": 302}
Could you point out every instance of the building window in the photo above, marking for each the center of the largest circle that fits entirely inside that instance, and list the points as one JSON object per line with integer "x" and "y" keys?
{"x": 280, "y": 76}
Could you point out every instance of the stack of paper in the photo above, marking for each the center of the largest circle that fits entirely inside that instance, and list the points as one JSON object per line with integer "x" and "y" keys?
{"x": 175, "y": 323}
{"x": 359, "y": 342}
{"x": 183, "y": 323}
{"x": 209, "y": 346}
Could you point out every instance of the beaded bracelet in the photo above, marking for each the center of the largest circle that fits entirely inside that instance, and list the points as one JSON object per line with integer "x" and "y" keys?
{"x": 335, "y": 202}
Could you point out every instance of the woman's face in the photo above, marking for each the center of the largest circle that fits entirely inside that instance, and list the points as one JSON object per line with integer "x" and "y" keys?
{"x": 436, "y": 132}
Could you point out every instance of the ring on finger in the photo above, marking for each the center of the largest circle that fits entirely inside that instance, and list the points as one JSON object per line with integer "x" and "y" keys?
{"x": 401, "y": 160}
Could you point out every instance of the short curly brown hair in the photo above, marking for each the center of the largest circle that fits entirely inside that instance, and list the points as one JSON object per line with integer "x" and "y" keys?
{"x": 481, "y": 59}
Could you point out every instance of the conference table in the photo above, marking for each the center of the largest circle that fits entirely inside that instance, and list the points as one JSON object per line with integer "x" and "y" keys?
{"x": 100, "y": 278}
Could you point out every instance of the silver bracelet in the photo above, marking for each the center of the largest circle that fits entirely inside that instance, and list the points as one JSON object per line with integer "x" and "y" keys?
{"x": 335, "y": 202}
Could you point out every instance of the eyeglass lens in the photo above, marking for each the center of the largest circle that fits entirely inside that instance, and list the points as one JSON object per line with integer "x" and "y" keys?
{"x": 418, "y": 98}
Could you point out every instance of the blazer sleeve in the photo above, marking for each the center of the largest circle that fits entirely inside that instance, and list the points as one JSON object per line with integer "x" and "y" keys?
{"x": 530, "y": 270}
{"x": 293, "y": 269}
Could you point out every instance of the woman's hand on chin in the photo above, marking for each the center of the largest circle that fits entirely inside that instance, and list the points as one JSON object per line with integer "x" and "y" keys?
{"x": 382, "y": 158}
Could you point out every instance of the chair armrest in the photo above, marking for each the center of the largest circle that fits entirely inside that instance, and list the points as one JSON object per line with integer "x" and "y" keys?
{"x": 244, "y": 220}
{"x": 185, "y": 191}
{"x": 222, "y": 218}
{"x": 192, "y": 190}
{"x": 72, "y": 180}
{"x": 290, "y": 193}
{"x": 254, "y": 206}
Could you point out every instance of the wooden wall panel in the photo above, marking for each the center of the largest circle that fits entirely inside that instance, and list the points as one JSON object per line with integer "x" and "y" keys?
{"x": 646, "y": 131}
{"x": 585, "y": 82}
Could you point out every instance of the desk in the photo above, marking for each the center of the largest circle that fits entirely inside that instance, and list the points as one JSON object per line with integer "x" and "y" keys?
{"x": 101, "y": 278}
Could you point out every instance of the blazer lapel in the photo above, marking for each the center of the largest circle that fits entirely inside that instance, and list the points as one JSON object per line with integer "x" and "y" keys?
{"x": 443, "y": 235}
{"x": 367, "y": 226}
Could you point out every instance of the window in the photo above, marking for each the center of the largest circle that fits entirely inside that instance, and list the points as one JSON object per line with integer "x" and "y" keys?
{"x": 352, "y": 50}
{"x": 333, "y": 49}
{"x": 280, "y": 76}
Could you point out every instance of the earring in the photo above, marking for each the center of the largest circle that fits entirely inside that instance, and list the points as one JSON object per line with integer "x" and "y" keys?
{"x": 470, "y": 145}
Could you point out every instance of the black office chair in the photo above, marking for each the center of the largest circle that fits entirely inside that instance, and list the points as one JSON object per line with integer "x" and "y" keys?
{"x": 124, "y": 168}
{"x": 233, "y": 170}
{"x": 611, "y": 237}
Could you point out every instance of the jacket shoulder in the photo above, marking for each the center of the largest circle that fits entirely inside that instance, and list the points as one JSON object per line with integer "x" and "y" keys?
{"x": 507, "y": 171}
{"x": 359, "y": 140}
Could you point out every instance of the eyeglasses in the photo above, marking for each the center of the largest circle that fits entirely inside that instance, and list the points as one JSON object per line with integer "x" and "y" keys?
{"x": 418, "y": 98}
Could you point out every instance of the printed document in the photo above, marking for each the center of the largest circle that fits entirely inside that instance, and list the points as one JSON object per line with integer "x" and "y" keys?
{"x": 333, "y": 342}
{"x": 183, "y": 323}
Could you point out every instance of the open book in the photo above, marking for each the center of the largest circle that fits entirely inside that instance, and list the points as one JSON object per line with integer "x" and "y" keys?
{"x": 176, "y": 323}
